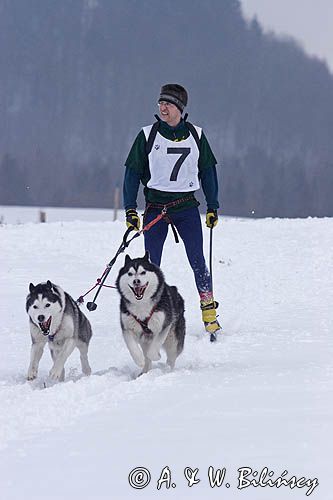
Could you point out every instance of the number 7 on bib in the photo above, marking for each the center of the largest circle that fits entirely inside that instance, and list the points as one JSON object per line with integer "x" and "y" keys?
{"x": 183, "y": 152}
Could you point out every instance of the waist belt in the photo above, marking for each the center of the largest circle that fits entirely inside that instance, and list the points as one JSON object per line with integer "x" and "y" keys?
{"x": 164, "y": 207}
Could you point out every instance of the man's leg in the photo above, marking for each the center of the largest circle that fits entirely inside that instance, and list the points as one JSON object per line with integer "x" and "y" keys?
{"x": 188, "y": 224}
{"x": 155, "y": 236}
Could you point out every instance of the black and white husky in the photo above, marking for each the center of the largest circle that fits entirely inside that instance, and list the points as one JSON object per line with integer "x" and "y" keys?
{"x": 151, "y": 313}
{"x": 56, "y": 319}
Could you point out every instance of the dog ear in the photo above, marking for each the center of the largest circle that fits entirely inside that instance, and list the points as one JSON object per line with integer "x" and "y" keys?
{"x": 49, "y": 284}
{"x": 147, "y": 256}
{"x": 31, "y": 288}
{"x": 127, "y": 260}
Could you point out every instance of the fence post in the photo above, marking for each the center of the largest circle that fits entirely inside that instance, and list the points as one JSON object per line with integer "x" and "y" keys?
{"x": 42, "y": 216}
{"x": 116, "y": 203}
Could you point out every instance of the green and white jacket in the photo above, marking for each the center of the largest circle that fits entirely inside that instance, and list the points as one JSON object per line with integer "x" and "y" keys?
{"x": 173, "y": 169}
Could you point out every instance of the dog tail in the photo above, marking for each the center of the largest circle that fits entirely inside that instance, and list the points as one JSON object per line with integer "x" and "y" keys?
{"x": 180, "y": 326}
{"x": 180, "y": 333}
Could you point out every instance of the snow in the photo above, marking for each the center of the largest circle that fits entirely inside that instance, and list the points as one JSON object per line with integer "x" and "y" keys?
{"x": 259, "y": 397}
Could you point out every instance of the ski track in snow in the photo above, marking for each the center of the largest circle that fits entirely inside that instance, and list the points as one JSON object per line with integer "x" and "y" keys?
{"x": 262, "y": 395}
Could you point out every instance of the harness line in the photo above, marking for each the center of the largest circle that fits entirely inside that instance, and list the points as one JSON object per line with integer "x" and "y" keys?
{"x": 125, "y": 243}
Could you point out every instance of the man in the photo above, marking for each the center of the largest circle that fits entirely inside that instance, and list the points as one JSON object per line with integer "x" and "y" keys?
{"x": 170, "y": 158}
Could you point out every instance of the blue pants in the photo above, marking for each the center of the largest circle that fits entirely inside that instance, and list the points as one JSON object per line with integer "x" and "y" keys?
{"x": 188, "y": 225}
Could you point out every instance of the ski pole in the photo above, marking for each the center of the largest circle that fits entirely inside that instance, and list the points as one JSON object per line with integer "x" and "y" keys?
{"x": 92, "y": 306}
{"x": 211, "y": 257}
{"x": 212, "y": 335}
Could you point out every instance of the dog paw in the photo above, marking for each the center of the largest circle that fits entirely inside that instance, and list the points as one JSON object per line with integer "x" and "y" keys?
{"x": 32, "y": 374}
{"x": 56, "y": 374}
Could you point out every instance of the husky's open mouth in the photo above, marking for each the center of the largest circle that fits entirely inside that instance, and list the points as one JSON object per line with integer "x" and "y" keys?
{"x": 139, "y": 291}
{"x": 45, "y": 326}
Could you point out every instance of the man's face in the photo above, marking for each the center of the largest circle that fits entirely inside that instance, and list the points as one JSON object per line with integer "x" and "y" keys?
{"x": 169, "y": 113}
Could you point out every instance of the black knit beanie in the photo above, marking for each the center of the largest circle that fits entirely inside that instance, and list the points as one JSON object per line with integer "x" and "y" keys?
{"x": 174, "y": 93}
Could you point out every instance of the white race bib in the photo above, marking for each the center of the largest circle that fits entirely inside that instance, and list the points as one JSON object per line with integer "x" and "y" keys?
{"x": 173, "y": 165}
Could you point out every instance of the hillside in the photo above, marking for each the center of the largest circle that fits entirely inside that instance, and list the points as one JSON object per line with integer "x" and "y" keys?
{"x": 79, "y": 78}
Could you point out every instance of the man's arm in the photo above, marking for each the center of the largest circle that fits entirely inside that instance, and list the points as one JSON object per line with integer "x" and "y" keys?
{"x": 135, "y": 163}
{"x": 209, "y": 186}
{"x": 207, "y": 173}
{"x": 130, "y": 188}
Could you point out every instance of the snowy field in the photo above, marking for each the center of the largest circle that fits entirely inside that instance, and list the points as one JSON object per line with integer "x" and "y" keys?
{"x": 259, "y": 397}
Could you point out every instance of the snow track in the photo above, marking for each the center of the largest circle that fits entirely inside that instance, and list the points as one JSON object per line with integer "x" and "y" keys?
{"x": 260, "y": 396}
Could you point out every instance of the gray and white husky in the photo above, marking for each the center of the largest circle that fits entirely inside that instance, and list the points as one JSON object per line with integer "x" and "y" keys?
{"x": 56, "y": 319}
{"x": 151, "y": 313}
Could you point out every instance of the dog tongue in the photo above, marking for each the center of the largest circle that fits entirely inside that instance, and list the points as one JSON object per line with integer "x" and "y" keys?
{"x": 139, "y": 291}
{"x": 45, "y": 327}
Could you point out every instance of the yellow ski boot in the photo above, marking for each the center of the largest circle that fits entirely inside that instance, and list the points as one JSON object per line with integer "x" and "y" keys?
{"x": 208, "y": 309}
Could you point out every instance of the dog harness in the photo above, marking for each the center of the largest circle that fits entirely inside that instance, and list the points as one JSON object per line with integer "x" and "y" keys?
{"x": 144, "y": 323}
